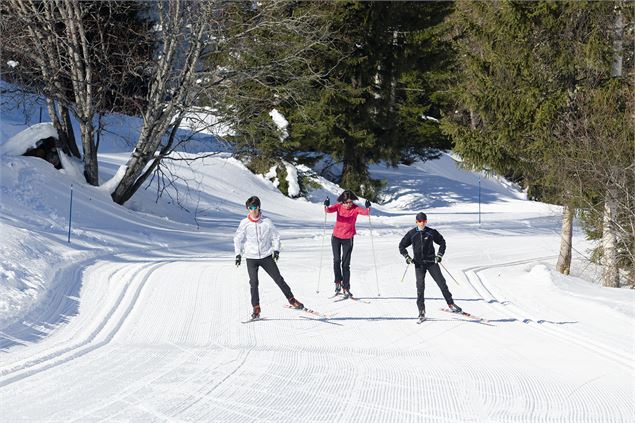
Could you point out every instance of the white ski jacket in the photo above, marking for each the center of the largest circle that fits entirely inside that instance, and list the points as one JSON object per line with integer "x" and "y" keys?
{"x": 260, "y": 238}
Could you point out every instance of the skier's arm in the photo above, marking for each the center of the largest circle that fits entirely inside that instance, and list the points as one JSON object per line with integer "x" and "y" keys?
{"x": 331, "y": 209}
{"x": 405, "y": 242}
{"x": 363, "y": 211}
{"x": 239, "y": 238}
{"x": 275, "y": 237}
{"x": 439, "y": 240}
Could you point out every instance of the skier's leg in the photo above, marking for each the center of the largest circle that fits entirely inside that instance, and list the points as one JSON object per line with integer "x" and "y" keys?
{"x": 347, "y": 249}
{"x": 252, "y": 271}
{"x": 271, "y": 268}
{"x": 336, "y": 246}
{"x": 420, "y": 274}
{"x": 435, "y": 272}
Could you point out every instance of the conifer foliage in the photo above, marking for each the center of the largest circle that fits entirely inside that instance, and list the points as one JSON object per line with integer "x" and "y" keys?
{"x": 377, "y": 101}
{"x": 539, "y": 99}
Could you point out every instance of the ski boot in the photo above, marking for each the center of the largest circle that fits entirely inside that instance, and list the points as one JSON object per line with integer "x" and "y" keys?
{"x": 347, "y": 293}
{"x": 256, "y": 312}
{"x": 338, "y": 287}
{"x": 422, "y": 316}
{"x": 295, "y": 303}
{"x": 455, "y": 308}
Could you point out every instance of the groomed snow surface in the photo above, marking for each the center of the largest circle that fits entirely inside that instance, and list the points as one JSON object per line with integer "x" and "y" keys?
{"x": 138, "y": 318}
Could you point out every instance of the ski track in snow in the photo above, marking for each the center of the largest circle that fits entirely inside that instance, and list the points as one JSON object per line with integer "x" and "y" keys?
{"x": 154, "y": 334}
{"x": 526, "y": 316}
{"x": 170, "y": 347}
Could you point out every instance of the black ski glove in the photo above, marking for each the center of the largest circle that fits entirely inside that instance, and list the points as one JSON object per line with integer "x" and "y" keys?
{"x": 327, "y": 202}
{"x": 408, "y": 258}
{"x": 367, "y": 204}
{"x": 238, "y": 259}
{"x": 276, "y": 256}
{"x": 438, "y": 259}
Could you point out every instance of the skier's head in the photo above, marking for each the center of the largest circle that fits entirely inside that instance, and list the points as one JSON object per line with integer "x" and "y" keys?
{"x": 253, "y": 203}
{"x": 421, "y": 220}
{"x": 347, "y": 197}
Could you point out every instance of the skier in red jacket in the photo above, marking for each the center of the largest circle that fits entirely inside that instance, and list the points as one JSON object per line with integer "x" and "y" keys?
{"x": 342, "y": 239}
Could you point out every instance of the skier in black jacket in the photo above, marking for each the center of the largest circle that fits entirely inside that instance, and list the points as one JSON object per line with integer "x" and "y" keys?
{"x": 425, "y": 259}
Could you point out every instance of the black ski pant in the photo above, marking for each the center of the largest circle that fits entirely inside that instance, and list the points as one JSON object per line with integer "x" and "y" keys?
{"x": 342, "y": 249}
{"x": 435, "y": 272}
{"x": 271, "y": 268}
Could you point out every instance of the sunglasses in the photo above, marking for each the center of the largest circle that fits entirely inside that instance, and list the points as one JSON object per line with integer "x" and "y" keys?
{"x": 254, "y": 207}
{"x": 421, "y": 221}
{"x": 348, "y": 202}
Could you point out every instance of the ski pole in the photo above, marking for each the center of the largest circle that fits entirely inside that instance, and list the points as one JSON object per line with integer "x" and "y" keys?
{"x": 448, "y": 272}
{"x": 317, "y": 291}
{"x": 372, "y": 244}
{"x": 405, "y": 271}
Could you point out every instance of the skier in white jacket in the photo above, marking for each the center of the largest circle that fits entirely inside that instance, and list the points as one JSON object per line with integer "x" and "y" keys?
{"x": 259, "y": 241}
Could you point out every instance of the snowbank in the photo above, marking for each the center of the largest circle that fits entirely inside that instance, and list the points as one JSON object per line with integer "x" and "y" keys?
{"x": 21, "y": 142}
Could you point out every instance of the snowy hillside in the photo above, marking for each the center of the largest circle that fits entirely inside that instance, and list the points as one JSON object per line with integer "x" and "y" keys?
{"x": 138, "y": 318}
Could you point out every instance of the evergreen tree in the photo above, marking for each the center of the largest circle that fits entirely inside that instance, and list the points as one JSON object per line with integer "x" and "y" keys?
{"x": 522, "y": 70}
{"x": 266, "y": 57}
{"x": 378, "y": 101}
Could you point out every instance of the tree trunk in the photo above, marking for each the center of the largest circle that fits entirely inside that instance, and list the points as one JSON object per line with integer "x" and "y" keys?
{"x": 354, "y": 169}
{"x": 57, "y": 124}
{"x": 68, "y": 131}
{"x": 610, "y": 276}
{"x": 618, "y": 41}
{"x": 566, "y": 235}
{"x": 90, "y": 153}
{"x": 611, "y": 273}
{"x": 125, "y": 188}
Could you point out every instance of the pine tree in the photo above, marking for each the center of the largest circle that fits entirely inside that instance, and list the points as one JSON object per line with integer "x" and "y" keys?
{"x": 523, "y": 71}
{"x": 266, "y": 57}
{"x": 378, "y": 101}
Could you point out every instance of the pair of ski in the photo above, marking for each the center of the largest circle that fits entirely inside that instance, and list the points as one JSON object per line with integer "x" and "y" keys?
{"x": 469, "y": 316}
{"x": 350, "y": 297}
{"x": 305, "y": 309}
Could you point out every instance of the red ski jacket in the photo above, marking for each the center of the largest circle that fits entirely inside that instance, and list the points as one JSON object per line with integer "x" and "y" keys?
{"x": 346, "y": 218}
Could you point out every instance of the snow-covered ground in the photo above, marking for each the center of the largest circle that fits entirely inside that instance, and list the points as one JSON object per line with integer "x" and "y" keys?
{"x": 138, "y": 318}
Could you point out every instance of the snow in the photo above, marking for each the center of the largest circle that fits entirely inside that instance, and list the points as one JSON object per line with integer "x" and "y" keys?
{"x": 272, "y": 175}
{"x": 292, "y": 180}
{"x": 138, "y": 317}
{"x": 28, "y": 138}
{"x": 281, "y": 123}
{"x": 206, "y": 121}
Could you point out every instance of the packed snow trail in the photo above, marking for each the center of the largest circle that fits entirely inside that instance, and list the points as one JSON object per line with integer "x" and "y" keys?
{"x": 161, "y": 340}
{"x": 138, "y": 318}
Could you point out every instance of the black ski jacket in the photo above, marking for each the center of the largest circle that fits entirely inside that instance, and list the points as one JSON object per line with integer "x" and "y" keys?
{"x": 422, "y": 244}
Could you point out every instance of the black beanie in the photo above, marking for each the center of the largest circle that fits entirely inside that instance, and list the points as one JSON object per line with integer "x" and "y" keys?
{"x": 421, "y": 216}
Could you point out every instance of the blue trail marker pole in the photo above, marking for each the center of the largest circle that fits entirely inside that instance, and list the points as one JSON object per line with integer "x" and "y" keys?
{"x": 70, "y": 215}
{"x": 479, "y": 200}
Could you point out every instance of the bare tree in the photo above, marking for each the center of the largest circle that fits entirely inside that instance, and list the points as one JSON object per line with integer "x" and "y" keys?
{"x": 28, "y": 35}
{"x": 73, "y": 46}
{"x": 200, "y": 53}
{"x": 183, "y": 28}
{"x": 207, "y": 51}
